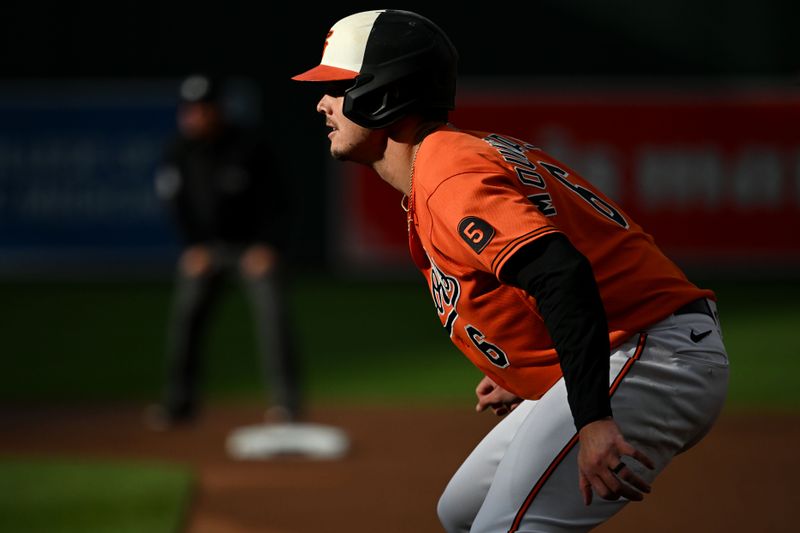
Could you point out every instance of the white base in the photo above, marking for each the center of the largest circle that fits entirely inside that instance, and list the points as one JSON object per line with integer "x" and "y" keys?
{"x": 264, "y": 441}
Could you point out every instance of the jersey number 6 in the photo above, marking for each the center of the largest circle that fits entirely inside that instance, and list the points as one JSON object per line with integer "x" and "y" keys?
{"x": 600, "y": 205}
{"x": 491, "y": 351}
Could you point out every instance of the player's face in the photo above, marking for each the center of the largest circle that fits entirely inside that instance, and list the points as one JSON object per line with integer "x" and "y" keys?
{"x": 349, "y": 141}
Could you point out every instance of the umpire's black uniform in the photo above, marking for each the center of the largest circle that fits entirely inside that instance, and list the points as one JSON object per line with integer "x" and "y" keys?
{"x": 225, "y": 196}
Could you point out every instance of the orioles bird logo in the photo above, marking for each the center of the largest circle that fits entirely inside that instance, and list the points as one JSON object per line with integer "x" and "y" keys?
{"x": 445, "y": 291}
{"x": 325, "y": 46}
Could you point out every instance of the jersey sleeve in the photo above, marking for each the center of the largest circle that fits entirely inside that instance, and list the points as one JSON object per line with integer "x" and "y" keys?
{"x": 482, "y": 219}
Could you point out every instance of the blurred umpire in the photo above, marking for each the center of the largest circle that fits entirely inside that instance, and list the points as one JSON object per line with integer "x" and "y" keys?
{"x": 226, "y": 195}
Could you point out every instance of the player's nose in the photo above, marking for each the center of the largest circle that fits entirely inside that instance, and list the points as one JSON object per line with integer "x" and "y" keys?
{"x": 323, "y": 106}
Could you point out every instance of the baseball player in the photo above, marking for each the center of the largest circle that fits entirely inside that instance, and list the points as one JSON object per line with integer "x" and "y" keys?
{"x": 602, "y": 359}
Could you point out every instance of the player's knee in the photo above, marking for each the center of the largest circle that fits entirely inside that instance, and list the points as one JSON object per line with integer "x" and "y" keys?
{"x": 451, "y": 514}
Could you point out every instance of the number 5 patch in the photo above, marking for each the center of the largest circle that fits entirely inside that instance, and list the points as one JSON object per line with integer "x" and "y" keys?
{"x": 476, "y": 232}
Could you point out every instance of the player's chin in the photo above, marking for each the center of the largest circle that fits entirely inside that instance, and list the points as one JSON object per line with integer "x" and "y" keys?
{"x": 339, "y": 154}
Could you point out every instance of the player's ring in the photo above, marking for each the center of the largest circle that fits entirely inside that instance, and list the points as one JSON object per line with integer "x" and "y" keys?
{"x": 618, "y": 468}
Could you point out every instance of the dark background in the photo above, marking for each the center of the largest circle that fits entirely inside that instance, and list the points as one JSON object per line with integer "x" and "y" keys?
{"x": 665, "y": 42}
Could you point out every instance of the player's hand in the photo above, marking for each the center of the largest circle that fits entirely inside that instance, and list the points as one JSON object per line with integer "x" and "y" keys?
{"x": 491, "y": 395}
{"x": 258, "y": 260}
{"x": 602, "y": 449}
{"x": 195, "y": 261}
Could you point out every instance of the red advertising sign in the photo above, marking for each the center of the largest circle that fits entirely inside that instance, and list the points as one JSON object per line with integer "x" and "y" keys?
{"x": 713, "y": 174}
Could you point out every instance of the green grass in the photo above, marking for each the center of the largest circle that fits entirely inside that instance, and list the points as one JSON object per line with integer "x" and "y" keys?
{"x": 359, "y": 341}
{"x": 105, "y": 341}
{"x": 761, "y": 328}
{"x": 83, "y": 496}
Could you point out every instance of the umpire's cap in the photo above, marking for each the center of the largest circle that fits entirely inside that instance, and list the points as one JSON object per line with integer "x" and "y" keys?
{"x": 392, "y": 63}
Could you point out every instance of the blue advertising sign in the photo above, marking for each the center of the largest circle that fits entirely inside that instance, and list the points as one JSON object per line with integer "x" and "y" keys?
{"x": 77, "y": 161}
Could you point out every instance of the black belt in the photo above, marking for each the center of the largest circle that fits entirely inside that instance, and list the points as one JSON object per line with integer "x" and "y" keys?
{"x": 697, "y": 306}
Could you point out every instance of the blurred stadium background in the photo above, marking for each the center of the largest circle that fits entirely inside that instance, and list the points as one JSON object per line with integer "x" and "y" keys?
{"x": 685, "y": 112}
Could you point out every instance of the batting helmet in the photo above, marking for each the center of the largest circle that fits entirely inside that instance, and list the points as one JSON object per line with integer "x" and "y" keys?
{"x": 398, "y": 62}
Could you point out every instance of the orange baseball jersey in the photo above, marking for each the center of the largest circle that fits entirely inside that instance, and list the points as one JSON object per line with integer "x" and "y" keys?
{"x": 479, "y": 197}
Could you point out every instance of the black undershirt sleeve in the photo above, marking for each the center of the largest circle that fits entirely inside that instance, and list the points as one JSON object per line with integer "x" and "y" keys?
{"x": 561, "y": 279}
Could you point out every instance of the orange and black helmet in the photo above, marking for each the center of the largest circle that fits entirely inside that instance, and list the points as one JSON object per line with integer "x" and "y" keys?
{"x": 388, "y": 63}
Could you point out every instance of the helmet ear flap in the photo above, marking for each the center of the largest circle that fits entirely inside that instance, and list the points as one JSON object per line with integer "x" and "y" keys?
{"x": 374, "y": 103}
